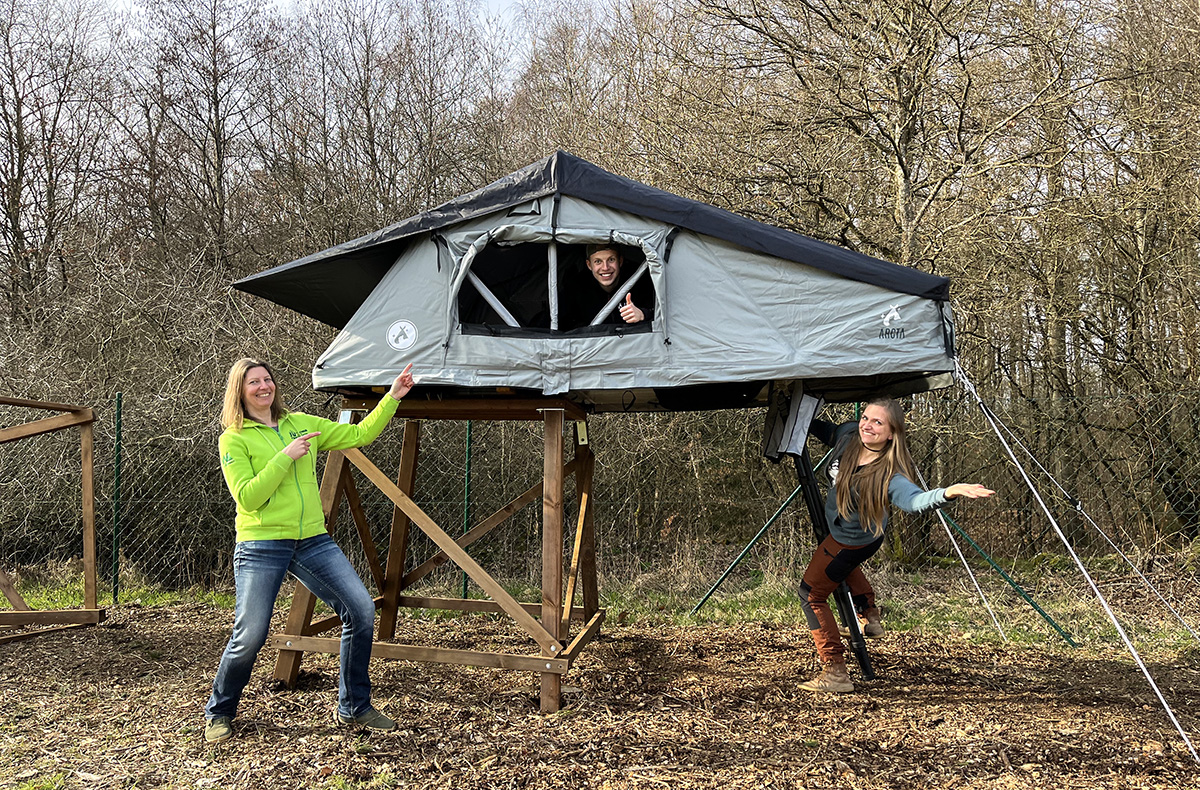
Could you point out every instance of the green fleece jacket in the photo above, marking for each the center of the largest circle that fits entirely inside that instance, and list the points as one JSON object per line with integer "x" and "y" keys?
{"x": 278, "y": 498}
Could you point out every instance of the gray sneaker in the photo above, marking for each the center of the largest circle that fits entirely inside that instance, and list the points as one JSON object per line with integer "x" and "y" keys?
{"x": 372, "y": 720}
{"x": 217, "y": 729}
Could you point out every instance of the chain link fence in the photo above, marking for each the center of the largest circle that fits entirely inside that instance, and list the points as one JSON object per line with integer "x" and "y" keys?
{"x": 677, "y": 496}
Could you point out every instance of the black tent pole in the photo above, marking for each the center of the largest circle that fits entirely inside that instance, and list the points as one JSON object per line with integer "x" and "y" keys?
{"x": 816, "y": 510}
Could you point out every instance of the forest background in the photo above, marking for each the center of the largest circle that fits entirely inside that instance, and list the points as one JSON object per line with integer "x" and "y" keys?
{"x": 1042, "y": 155}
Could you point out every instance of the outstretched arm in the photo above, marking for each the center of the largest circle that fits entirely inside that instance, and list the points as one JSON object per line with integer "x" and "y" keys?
{"x": 909, "y": 497}
{"x": 339, "y": 436}
{"x": 968, "y": 490}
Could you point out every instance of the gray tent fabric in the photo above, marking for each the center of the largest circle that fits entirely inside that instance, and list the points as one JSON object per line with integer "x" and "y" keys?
{"x": 331, "y": 284}
{"x": 474, "y": 293}
{"x": 790, "y": 412}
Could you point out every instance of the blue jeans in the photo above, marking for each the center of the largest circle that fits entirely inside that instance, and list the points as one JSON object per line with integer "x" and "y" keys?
{"x": 258, "y": 570}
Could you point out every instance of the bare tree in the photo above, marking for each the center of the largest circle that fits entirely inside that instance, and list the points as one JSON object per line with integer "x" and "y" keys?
{"x": 52, "y": 94}
{"x": 203, "y": 60}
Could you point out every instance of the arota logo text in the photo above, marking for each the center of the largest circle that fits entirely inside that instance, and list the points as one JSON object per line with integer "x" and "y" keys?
{"x": 889, "y": 331}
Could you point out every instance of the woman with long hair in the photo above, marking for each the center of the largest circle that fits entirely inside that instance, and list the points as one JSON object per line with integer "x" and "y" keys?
{"x": 871, "y": 469}
{"x": 268, "y": 457}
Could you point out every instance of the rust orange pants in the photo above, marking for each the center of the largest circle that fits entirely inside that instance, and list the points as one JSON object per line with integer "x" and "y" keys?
{"x": 832, "y": 564}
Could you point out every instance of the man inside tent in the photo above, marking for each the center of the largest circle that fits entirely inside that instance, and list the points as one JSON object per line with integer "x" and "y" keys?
{"x": 585, "y": 298}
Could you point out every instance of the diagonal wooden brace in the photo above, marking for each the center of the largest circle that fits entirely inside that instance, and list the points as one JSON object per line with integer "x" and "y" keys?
{"x": 10, "y": 592}
{"x": 46, "y": 425}
{"x": 460, "y": 558}
{"x": 483, "y": 528}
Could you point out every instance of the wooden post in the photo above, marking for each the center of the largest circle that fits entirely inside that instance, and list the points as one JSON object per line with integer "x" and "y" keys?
{"x": 583, "y": 501}
{"x": 552, "y": 549}
{"x": 363, "y": 526}
{"x": 393, "y": 576}
{"x": 542, "y": 621}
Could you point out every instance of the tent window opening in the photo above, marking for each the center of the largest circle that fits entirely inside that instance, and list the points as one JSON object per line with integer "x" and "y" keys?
{"x": 508, "y": 292}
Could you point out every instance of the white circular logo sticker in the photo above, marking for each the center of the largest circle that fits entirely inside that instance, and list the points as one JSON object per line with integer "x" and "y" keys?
{"x": 402, "y": 335}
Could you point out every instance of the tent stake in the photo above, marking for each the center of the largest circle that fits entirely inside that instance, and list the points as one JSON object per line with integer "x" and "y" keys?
{"x": 745, "y": 551}
{"x": 1012, "y": 582}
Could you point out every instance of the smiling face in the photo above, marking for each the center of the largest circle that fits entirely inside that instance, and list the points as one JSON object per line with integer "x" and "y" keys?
{"x": 605, "y": 266}
{"x": 874, "y": 428}
{"x": 258, "y": 390}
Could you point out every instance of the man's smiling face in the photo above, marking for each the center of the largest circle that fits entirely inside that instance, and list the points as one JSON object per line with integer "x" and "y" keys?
{"x": 605, "y": 266}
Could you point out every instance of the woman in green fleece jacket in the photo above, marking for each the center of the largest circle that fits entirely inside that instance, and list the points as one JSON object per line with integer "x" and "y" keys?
{"x": 268, "y": 456}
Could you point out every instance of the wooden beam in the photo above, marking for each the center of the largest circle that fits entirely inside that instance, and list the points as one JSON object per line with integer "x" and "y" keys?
{"x": 53, "y": 617}
{"x": 332, "y": 483}
{"x": 364, "y": 531}
{"x": 586, "y": 634}
{"x": 10, "y": 592}
{"x": 41, "y": 404}
{"x": 299, "y": 621}
{"x": 584, "y": 492}
{"x": 481, "y": 529}
{"x": 7, "y": 638}
{"x": 393, "y": 575}
{"x": 46, "y": 425}
{"x": 474, "y": 605}
{"x": 460, "y": 557}
{"x": 492, "y": 409}
{"x": 552, "y": 549}
{"x": 587, "y": 552}
{"x": 473, "y": 658}
{"x": 87, "y": 462}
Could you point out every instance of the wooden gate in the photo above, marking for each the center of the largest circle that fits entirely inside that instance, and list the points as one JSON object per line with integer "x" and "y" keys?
{"x": 90, "y": 614}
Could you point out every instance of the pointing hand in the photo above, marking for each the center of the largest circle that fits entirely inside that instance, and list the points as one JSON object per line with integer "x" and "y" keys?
{"x": 299, "y": 446}
{"x": 403, "y": 383}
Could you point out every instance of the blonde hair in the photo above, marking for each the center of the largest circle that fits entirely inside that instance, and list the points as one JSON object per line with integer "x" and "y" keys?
{"x": 865, "y": 490}
{"x": 233, "y": 411}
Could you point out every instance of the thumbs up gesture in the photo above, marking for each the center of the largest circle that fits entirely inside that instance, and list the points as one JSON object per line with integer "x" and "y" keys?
{"x": 631, "y": 312}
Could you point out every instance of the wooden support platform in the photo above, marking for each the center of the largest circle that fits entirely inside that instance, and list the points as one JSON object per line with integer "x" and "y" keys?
{"x": 546, "y": 623}
{"x": 21, "y": 615}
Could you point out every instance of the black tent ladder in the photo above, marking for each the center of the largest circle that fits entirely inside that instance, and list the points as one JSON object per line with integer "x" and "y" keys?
{"x": 807, "y": 477}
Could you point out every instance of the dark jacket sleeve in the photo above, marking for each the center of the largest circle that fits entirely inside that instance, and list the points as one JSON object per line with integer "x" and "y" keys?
{"x": 643, "y": 296}
{"x": 824, "y": 430}
{"x": 830, "y": 433}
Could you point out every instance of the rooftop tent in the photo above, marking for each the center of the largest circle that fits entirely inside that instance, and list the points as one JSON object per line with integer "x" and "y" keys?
{"x": 475, "y": 294}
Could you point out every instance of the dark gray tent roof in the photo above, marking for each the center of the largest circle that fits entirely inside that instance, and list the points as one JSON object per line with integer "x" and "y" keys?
{"x": 331, "y": 285}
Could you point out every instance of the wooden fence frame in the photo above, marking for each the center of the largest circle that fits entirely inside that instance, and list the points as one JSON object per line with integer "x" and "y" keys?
{"x": 60, "y": 619}
{"x": 547, "y": 622}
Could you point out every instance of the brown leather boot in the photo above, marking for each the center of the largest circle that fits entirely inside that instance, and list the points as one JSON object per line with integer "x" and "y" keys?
{"x": 872, "y": 626}
{"x": 833, "y": 678}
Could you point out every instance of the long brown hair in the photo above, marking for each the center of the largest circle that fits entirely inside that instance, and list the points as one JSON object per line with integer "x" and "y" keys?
{"x": 233, "y": 411}
{"x": 865, "y": 490}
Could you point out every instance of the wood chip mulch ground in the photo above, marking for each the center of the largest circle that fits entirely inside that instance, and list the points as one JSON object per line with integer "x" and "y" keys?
{"x": 647, "y": 706}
